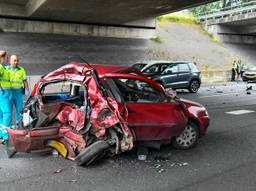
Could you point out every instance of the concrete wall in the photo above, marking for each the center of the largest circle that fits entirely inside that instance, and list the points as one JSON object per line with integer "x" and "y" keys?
{"x": 42, "y": 53}
{"x": 215, "y": 76}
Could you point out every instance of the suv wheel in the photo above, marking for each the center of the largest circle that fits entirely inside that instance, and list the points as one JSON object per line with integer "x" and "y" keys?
{"x": 194, "y": 86}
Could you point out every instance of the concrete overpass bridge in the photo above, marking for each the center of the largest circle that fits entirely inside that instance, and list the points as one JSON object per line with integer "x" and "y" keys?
{"x": 234, "y": 24}
{"x": 112, "y": 18}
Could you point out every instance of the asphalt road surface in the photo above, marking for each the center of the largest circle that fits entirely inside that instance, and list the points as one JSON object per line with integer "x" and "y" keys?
{"x": 224, "y": 160}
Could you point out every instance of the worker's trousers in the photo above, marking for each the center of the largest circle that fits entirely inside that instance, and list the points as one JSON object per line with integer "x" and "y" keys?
{"x": 5, "y": 112}
{"x": 17, "y": 102}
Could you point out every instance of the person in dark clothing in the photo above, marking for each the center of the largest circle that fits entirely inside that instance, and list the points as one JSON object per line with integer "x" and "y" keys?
{"x": 238, "y": 69}
{"x": 233, "y": 71}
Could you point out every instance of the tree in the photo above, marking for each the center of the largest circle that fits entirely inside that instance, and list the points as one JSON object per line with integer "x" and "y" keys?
{"x": 216, "y": 6}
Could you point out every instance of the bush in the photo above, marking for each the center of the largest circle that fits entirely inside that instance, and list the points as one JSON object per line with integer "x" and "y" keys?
{"x": 156, "y": 39}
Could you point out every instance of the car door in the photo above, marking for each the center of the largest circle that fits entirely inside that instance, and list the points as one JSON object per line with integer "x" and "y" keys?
{"x": 184, "y": 75}
{"x": 169, "y": 77}
{"x": 153, "y": 70}
{"x": 150, "y": 115}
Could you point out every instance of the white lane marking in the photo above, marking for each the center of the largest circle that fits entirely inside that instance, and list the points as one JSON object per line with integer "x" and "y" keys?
{"x": 240, "y": 112}
{"x": 221, "y": 94}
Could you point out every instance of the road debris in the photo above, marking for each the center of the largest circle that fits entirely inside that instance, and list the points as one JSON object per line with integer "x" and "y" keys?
{"x": 161, "y": 158}
{"x": 183, "y": 164}
{"x": 142, "y": 157}
{"x": 157, "y": 166}
{"x": 57, "y": 171}
{"x": 161, "y": 170}
{"x": 55, "y": 153}
{"x": 180, "y": 164}
{"x": 142, "y": 153}
{"x": 248, "y": 88}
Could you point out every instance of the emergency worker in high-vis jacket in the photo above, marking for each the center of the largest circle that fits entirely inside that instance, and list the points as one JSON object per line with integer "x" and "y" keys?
{"x": 18, "y": 79}
{"x": 5, "y": 97}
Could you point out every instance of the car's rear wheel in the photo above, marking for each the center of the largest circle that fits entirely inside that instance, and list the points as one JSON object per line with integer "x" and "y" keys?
{"x": 188, "y": 138}
{"x": 194, "y": 86}
{"x": 91, "y": 153}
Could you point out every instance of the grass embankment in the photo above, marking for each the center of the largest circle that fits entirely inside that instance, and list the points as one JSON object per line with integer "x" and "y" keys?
{"x": 174, "y": 18}
{"x": 178, "y": 18}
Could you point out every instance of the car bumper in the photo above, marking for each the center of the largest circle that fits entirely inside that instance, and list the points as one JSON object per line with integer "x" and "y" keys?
{"x": 249, "y": 77}
{"x": 204, "y": 122}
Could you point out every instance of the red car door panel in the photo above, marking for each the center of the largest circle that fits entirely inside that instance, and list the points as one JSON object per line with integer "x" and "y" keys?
{"x": 155, "y": 121}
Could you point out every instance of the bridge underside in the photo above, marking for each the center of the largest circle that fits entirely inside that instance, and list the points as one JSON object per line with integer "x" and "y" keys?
{"x": 114, "y": 12}
{"x": 239, "y": 28}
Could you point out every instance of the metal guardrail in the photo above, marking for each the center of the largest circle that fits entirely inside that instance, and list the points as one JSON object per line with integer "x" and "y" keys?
{"x": 241, "y": 8}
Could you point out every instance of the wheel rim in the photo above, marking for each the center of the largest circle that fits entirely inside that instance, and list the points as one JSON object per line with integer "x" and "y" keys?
{"x": 187, "y": 137}
{"x": 194, "y": 86}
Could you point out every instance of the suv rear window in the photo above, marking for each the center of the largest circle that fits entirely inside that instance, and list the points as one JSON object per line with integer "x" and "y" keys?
{"x": 183, "y": 68}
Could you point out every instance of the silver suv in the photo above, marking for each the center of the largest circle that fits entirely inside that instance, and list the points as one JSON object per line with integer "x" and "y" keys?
{"x": 172, "y": 74}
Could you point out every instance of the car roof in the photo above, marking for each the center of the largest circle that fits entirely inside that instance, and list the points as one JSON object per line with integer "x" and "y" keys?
{"x": 153, "y": 62}
{"x": 163, "y": 62}
{"x": 103, "y": 69}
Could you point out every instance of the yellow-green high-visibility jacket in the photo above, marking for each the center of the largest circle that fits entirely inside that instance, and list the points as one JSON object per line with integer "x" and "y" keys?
{"x": 4, "y": 78}
{"x": 234, "y": 66}
{"x": 17, "y": 76}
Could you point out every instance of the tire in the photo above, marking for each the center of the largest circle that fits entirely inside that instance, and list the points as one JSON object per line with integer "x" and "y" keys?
{"x": 188, "y": 138}
{"x": 91, "y": 153}
{"x": 194, "y": 86}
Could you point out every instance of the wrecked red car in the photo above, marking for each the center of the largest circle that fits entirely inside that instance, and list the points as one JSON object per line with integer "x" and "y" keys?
{"x": 89, "y": 111}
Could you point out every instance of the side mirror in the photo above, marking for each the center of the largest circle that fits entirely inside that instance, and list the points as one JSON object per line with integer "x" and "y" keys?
{"x": 170, "y": 92}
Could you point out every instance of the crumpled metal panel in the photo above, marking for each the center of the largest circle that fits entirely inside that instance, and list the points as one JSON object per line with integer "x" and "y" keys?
{"x": 98, "y": 102}
{"x": 104, "y": 113}
{"x": 73, "y": 117}
{"x": 29, "y": 140}
{"x": 73, "y": 141}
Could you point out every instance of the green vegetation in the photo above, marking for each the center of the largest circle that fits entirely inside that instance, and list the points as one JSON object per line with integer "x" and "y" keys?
{"x": 216, "y": 6}
{"x": 211, "y": 36}
{"x": 204, "y": 67}
{"x": 156, "y": 39}
{"x": 178, "y": 18}
{"x": 206, "y": 8}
